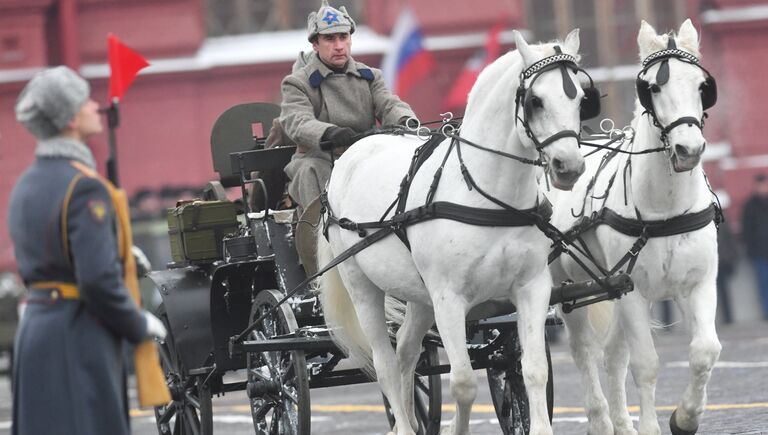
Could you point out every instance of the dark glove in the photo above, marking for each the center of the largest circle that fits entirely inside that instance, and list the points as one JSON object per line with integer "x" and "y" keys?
{"x": 338, "y": 136}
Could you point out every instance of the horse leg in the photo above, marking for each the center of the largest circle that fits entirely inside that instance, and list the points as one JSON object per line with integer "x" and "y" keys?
{"x": 450, "y": 313}
{"x": 587, "y": 352}
{"x": 699, "y": 310}
{"x": 418, "y": 319}
{"x": 616, "y": 363}
{"x": 532, "y": 302}
{"x": 643, "y": 360}
{"x": 369, "y": 306}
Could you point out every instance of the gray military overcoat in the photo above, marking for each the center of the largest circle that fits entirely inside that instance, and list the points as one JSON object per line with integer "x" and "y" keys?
{"x": 314, "y": 99}
{"x": 69, "y": 372}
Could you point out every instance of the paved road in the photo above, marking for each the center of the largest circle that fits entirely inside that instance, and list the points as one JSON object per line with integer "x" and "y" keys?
{"x": 738, "y": 395}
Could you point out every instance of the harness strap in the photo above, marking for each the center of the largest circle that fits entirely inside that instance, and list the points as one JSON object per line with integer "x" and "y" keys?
{"x": 631, "y": 255}
{"x": 475, "y": 216}
{"x": 419, "y": 157}
{"x": 681, "y": 224}
{"x": 447, "y": 210}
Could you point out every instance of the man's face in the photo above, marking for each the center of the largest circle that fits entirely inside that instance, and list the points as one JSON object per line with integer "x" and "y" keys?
{"x": 87, "y": 122}
{"x": 333, "y": 49}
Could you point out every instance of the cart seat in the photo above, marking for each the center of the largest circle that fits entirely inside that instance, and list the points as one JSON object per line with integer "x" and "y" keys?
{"x": 233, "y": 132}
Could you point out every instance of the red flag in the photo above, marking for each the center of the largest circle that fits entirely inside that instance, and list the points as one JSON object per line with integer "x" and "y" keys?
{"x": 124, "y": 64}
{"x": 457, "y": 97}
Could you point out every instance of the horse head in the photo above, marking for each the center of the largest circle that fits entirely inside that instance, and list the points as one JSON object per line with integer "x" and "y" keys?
{"x": 675, "y": 90}
{"x": 550, "y": 105}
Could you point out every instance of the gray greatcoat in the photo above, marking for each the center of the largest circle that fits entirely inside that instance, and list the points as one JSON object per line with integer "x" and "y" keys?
{"x": 316, "y": 98}
{"x": 69, "y": 374}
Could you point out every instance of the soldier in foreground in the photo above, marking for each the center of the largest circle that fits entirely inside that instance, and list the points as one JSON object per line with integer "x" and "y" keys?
{"x": 69, "y": 373}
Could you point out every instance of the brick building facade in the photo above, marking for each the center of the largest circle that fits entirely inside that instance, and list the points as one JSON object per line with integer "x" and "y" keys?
{"x": 167, "y": 115}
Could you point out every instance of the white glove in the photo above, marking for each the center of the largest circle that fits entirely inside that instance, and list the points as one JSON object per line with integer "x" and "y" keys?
{"x": 143, "y": 266}
{"x": 155, "y": 327}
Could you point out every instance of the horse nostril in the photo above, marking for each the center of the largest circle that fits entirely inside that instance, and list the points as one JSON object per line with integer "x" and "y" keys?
{"x": 558, "y": 165}
{"x": 681, "y": 151}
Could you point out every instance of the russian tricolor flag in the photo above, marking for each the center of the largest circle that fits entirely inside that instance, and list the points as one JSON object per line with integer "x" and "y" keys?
{"x": 407, "y": 61}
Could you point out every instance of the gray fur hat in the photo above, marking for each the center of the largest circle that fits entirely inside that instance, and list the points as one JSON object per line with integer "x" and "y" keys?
{"x": 50, "y": 100}
{"x": 329, "y": 20}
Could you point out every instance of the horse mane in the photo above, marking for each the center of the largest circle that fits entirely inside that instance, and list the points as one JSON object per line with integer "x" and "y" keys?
{"x": 507, "y": 68}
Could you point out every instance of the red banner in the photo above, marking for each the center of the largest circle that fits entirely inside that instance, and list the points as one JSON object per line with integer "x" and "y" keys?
{"x": 124, "y": 64}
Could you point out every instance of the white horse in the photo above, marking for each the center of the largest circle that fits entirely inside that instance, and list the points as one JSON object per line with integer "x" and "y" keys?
{"x": 655, "y": 186}
{"x": 453, "y": 266}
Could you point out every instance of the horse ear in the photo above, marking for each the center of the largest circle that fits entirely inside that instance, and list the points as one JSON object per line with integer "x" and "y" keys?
{"x": 688, "y": 37}
{"x": 572, "y": 42}
{"x": 529, "y": 56}
{"x": 649, "y": 41}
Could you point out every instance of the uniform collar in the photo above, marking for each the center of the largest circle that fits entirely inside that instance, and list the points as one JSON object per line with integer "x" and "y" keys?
{"x": 64, "y": 147}
{"x": 319, "y": 70}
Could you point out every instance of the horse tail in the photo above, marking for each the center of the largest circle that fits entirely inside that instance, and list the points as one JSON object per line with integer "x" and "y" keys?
{"x": 394, "y": 311}
{"x": 600, "y": 316}
{"x": 339, "y": 312}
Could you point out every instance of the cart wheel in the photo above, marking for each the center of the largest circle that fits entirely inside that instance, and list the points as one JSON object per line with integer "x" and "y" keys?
{"x": 190, "y": 409}
{"x": 278, "y": 385}
{"x": 428, "y": 396}
{"x": 510, "y": 399}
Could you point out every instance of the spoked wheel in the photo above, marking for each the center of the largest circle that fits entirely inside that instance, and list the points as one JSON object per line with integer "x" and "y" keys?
{"x": 278, "y": 386}
{"x": 190, "y": 409}
{"x": 510, "y": 398}
{"x": 428, "y": 396}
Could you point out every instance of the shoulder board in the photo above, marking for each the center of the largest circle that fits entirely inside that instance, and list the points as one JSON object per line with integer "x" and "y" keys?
{"x": 316, "y": 78}
{"x": 87, "y": 171}
{"x": 366, "y": 73}
{"x": 91, "y": 173}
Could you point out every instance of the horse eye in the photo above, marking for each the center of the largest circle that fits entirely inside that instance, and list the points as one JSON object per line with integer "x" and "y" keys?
{"x": 537, "y": 103}
{"x": 655, "y": 88}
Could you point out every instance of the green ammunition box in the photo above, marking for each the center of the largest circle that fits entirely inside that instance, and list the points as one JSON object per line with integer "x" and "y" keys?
{"x": 197, "y": 229}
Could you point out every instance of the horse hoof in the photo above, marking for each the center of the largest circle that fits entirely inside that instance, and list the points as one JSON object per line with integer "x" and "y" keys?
{"x": 676, "y": 430}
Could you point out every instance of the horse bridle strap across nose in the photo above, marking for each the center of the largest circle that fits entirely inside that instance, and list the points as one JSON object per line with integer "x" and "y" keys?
{"x": 690, "y": 120}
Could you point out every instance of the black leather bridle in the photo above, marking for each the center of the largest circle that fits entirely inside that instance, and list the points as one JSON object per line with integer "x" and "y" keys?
{"x": 590, "y": 105}
{"x": 708, "y": 89}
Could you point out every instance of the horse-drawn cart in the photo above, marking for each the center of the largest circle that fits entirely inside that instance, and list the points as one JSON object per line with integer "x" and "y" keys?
{"x": 250, "y": 308}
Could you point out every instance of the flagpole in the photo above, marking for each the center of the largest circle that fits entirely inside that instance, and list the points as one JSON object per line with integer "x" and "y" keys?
{"x": 113, "y": 121}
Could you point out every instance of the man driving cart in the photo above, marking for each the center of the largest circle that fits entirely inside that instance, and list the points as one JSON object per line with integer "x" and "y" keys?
{"x": 330, "y": 97}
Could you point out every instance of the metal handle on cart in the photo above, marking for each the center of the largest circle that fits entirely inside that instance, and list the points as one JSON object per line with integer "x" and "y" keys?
{"x": 572, "y": 295}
